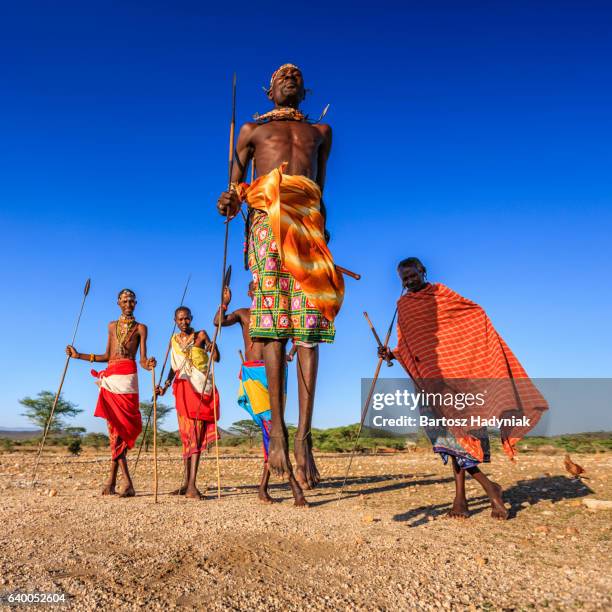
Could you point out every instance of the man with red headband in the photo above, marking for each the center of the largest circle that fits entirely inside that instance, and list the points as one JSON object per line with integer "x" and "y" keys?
{"x": 298, "y": 291}
{"x": 118, "y": 399}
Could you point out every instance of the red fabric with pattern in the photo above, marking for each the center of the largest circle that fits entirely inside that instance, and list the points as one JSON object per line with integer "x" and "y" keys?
{"x": 442, "y": 335}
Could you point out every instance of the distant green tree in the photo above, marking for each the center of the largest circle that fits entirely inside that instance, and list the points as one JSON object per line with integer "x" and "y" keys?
{"x": 246, "y": 429}
{"x": 7, "y": 444}
{"x": 95, "y": 439}
{"x": 146, "y": 409}
{"x": 38, "y": 410}
{"x": 75, "y": 432}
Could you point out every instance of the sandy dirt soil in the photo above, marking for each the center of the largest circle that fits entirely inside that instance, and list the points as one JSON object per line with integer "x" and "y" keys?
{"x": 385, "y": 545}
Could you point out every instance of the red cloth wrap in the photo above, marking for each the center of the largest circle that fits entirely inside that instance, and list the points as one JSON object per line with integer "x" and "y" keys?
{"x": 196, "y": 417}
{"x": 121, "y": 410}
{"x": 192, "y": 404}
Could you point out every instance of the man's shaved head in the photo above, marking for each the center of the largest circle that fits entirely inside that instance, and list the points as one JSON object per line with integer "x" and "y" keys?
{"x": 183, "y": 309}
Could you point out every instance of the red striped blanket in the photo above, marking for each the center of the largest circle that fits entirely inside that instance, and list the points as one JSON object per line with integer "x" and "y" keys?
{"x": 447, "y": 342}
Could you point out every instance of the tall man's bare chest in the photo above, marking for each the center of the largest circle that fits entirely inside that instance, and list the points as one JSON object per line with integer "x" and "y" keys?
{"x": 287, "y": 135}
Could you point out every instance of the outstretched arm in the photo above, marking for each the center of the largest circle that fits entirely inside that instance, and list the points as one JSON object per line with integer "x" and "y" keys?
{"x": 103, "y": 358}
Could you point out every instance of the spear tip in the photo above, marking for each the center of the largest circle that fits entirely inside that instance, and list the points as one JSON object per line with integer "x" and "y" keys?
{"x": 87, "y": 286}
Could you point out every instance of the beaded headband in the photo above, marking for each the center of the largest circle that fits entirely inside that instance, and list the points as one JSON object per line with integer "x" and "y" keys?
{"x": 275, "y": 73}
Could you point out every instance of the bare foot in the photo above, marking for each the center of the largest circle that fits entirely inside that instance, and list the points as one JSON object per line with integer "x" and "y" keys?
{"x": 306, "y": 471}
{"x": 298, "y": 495}
{"x": 459, "y": 509}
{"x": 109, "y": 489}
{"x": 264, "y": 497}
{"x": 278, "y": 457}
{"x": 180, "y": 491}
{"x": 128, "y": 492}
{"x": 193, "y": 493}
{"x": 498, "y": 510}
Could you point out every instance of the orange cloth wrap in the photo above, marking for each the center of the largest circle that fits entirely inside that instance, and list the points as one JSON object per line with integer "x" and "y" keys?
{"x": 293, "y": 205}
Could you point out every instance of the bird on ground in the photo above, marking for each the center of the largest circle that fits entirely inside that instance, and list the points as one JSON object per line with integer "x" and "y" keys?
{"x": 573, "y": 468}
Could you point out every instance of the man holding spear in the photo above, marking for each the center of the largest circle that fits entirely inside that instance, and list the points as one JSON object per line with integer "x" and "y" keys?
{"x": 450, "y": 349}
{"x": 118, "y": 401}
{"x": 197, "y": 408}
{"x": 298, "y": 289}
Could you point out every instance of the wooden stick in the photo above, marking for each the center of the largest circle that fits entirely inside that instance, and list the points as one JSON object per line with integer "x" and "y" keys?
{"x": 365, "y": 314}
{"x": 348, "y": 273}
{"x": 241, "y": 356}
{"x": 59, "y": 390}
{"x": 224, "y": 280}
{"x": 216, "y": 429}
{"x": 161, "y": 375}
{"x": 366, "y": 405}
{"x": 227, "y": 220}
{"x": 380, "y": 344}
{"x": 155, "y": 483}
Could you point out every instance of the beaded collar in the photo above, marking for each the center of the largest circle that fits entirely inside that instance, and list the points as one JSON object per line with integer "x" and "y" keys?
{"x": 283, "y": 113}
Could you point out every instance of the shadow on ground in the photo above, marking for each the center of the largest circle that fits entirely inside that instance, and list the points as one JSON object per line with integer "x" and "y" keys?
{"x": 532, "y": 492}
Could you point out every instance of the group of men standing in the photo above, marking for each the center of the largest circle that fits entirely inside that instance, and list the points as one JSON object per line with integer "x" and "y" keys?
{"x": 296, "y": 293}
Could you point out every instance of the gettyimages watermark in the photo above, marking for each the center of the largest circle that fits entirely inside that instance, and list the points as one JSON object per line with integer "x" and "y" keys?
{"x": 518, "y": 407}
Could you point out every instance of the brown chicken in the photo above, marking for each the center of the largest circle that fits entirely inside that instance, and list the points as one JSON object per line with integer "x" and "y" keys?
{"x": 573, "y": 468}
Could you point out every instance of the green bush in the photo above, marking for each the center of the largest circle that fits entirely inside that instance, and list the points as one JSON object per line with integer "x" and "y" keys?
{"x": 74, "y": 447}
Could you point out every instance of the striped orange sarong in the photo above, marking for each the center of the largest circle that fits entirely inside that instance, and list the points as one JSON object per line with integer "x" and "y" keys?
{"x": 293, "y": 206}
{"x": 448, "y": 339}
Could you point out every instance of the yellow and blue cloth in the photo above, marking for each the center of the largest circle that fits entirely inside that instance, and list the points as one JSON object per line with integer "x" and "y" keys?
{"x": 253, "y": 396}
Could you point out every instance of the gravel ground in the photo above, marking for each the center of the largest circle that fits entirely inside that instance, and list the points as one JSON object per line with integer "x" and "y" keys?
{"x": 385, "y": 545}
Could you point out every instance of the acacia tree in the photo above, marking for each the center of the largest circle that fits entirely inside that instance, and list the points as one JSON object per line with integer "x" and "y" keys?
{"x": 146, "y": 409}
{"x": 246, "y": 429}
{"x": 38, "y": 410}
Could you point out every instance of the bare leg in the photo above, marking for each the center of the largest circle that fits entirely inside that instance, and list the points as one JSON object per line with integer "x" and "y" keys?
{"x": 109, "y": 485}
{"x": 493, "y": 490}
{"x": 183, "y": 488}
{"x": 192, "y": 491}
{"x": 460, "y": 505}
{"x": 278, "y": 455}
{"x": 262, "y": 492}
{"x": 306, "y": 472}
{"x": 128, "y": 490}
{"x": 298, "y": 494}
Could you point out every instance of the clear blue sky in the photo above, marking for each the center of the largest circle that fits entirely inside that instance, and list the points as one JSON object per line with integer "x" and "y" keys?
{"x": 473, "y": 135}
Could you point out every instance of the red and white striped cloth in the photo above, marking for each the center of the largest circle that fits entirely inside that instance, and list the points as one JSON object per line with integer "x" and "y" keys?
{"x": 118, "y": 403}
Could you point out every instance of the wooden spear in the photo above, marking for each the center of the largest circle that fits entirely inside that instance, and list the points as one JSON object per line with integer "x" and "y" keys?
{"x": 376, "y": 336}
{"x": 224, "y": 279}
{"x": 366, "y": 405}
{"x": 57, "y": 395}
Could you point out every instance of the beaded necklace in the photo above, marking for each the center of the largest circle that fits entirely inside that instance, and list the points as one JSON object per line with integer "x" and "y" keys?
{"x": 123, "y": 331}
{"x": 283, "y": 113}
